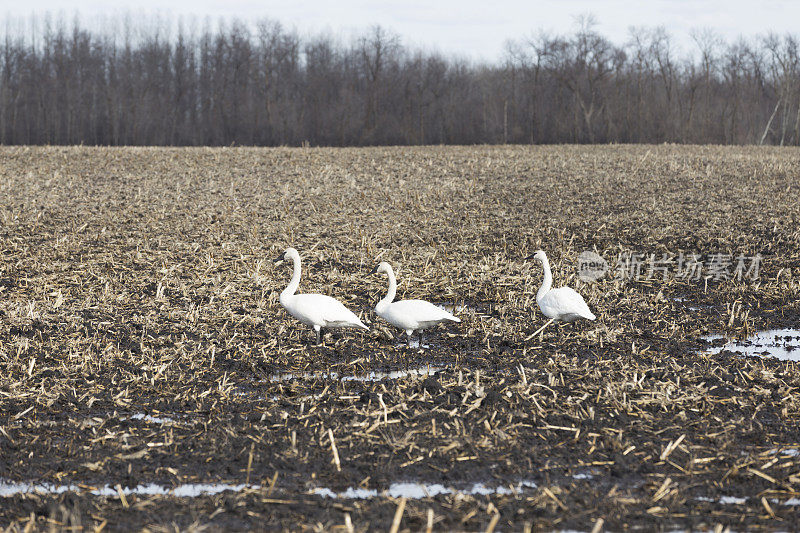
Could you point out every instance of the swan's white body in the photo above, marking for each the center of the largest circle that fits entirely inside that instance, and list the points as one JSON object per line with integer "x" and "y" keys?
{"x": 563, "y": 304}
{"x": 409, "y": 315}
{"x": 315, "y": 310}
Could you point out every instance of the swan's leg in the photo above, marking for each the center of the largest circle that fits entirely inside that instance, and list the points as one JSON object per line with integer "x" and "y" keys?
{"x": 420, "y": 339}
{"x": 409, "y": 334}
{"x": 318, "y": 329}
{"x": 541, "y": 329}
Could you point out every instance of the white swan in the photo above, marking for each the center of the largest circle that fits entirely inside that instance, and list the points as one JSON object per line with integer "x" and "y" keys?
{"x": 408, "y": 315}
{"x": 315, "y": 310}
{"x": 563, "y": 304}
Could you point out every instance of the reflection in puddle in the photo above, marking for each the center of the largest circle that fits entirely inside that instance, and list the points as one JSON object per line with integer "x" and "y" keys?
{"x": 370, "y": 376}
{"x": 783, "y": 344}
{"x": 421, "y": 490}
{"x": 190, "y": 490}
{"x": 414, "y": 344}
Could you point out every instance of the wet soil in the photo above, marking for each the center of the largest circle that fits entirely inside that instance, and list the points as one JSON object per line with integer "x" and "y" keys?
{"x": 141, "y": 327}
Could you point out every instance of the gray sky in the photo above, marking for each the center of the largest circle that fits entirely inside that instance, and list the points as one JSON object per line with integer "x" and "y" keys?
{"x": 474, "y": 29}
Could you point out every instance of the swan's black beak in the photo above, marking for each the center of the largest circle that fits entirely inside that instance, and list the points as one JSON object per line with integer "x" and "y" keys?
{"x": 530, "y": 257}
{"x": 279, "y": 258}
{"x": 374, "y": 271}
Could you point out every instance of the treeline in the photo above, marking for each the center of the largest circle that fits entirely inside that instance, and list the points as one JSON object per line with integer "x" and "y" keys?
{"x": 169, "y": 84}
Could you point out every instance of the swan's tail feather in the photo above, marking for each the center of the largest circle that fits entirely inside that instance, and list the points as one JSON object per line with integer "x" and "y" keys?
{"x": 447, "y": 315}
{"x": 357, "y": 323}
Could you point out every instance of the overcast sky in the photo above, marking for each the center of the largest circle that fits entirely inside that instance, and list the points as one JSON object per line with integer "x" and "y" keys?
{"x": 474, "y": 29}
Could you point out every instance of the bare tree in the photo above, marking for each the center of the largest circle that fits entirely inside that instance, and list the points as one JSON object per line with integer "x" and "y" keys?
{"x": 785, "y": 69}
{"x": 583, "y": 64}
{"x": 152, "y": 81}
{"x": 377, "y": 49}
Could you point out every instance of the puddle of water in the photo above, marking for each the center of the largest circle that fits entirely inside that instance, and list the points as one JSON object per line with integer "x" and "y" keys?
{"x": 94, "y": 421}
{"x": 783, "y": 344}
{"x": 483, "y": 490}
{"x": 370, "y": 376}
{"x": 696, "y": 307}
{"x": 732, "y": 500}
{"x": 9, "y": 488}
{"x": 191, "y": 490}
{"x": 700, "y": 307}
{"x": 789, "y": 452}
{"x": 152, "y": 419}
{"x": 736, "y": 500}
{"x": 725, "y": 500}
{"x": 417, "y": 491}
{"x": 414, "y": 344}
{"x": 255, "y": 395}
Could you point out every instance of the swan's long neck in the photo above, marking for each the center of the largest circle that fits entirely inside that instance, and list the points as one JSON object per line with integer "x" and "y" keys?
{"x": 389, "y": 298}
{"x": 547, "y": 284}
{"x": 294, "y": 283}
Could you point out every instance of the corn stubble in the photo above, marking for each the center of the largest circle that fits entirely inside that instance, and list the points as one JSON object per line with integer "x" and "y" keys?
{"x": 138, "y": 280}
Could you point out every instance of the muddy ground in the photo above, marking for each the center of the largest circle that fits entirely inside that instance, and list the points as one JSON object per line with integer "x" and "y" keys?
{"x": 140, "y": 334}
